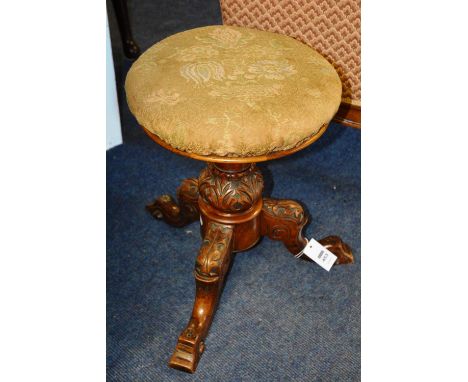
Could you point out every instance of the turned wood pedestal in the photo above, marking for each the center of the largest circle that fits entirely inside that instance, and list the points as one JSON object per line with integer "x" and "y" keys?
{"x": 227, "y": 199}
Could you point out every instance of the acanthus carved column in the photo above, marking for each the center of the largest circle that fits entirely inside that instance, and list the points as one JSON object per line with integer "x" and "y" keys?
{"x": 232, "y": 194}
{"x": 230, "y": 190}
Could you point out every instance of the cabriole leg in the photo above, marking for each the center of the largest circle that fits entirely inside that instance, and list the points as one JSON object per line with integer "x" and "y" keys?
{"x": 284, "y": 220}
{"x": 210, "y": 268}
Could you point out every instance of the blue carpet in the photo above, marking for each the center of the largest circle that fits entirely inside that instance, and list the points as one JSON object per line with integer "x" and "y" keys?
{"x": 279, "y": 319}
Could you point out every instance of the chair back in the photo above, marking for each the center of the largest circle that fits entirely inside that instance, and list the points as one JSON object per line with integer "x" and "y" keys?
{"x": 331, "y": 27}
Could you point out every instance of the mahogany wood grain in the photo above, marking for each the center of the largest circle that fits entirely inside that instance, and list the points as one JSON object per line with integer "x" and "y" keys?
{"x": 227, "y": 198}
{"x": 284, "y": 220}
{"x": 338, "y": 247}
{"x": 349, "y": 115}
{"x": 211, "y": 266}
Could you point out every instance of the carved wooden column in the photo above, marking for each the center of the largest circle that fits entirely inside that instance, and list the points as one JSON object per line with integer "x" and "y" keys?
{"x": 232, "y": 194}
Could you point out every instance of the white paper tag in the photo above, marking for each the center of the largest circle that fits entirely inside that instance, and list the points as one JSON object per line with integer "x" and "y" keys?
{"x": 319, "y": 254}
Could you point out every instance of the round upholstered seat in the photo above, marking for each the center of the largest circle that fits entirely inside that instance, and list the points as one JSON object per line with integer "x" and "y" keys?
{"x": 232, "y": 91}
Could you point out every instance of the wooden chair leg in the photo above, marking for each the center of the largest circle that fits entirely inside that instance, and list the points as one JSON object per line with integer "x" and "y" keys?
{"x": 130, "y": 47}
{"x": 181, "y": 213}
{"x": 210, "y": 268}
{"x": 284, "y": 220}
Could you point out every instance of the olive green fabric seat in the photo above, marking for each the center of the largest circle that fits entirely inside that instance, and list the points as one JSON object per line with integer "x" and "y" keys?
{"x": 232, "y": 91}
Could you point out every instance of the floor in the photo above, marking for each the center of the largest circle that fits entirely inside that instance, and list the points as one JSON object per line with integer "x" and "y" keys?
{"x": 279, "y": 319}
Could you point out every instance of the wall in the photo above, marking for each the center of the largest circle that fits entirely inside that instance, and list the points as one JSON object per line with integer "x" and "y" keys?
{"x": 113, "y": 128}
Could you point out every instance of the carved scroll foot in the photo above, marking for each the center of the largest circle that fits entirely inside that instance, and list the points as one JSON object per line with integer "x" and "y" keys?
{"x": 284, "y": 220}
{"x": 181, "y": 213}
{"x": 339, "y": 248}
{"x": 210, "y": 268}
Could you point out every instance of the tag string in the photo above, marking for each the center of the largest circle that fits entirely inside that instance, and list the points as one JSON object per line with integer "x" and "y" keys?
{"x": 302, "y": 252}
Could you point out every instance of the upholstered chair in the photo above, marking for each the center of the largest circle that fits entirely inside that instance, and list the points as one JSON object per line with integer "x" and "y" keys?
{"x": 331, "y": 27}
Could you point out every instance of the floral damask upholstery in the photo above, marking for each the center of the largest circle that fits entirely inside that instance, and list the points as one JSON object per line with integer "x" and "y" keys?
{"x": 232, "y": 91}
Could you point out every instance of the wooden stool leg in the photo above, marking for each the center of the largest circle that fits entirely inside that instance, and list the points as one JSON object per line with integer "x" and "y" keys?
{"x": 210, "y": 268}
{"x": 181, "y": 213}
{"x": 338, "y": 247}
{"x": 284, "y": 220}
